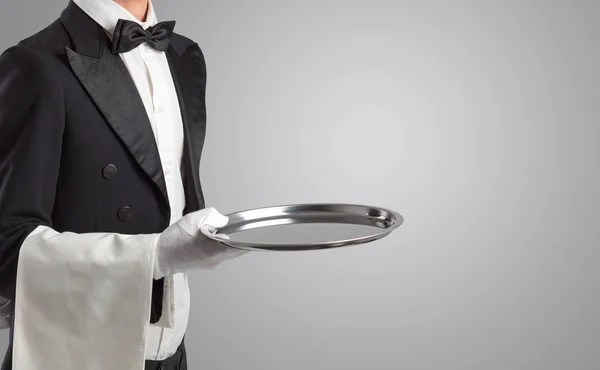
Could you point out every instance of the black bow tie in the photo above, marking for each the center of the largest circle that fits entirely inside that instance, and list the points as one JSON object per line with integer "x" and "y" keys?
{"x": 128, "y": 35}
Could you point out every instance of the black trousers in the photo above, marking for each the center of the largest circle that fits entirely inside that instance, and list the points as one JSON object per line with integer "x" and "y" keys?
{"x": 176, "y": 362}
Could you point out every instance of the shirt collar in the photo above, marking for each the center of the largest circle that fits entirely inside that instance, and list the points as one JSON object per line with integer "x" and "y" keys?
{"x": 107, "y": 13}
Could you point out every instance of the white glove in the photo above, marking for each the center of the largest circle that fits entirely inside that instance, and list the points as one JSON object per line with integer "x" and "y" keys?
{"x": 182, "y": 246}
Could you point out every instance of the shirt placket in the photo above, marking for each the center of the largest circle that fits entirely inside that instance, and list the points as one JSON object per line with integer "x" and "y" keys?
{"x": 161, "y": 109}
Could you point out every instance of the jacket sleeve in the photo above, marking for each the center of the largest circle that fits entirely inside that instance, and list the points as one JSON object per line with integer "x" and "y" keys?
{"x": 31, "y": 129}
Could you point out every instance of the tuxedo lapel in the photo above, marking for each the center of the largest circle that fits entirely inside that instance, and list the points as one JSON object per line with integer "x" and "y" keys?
{"x": 189, "y": 76}
{"x": 108, "y": 82}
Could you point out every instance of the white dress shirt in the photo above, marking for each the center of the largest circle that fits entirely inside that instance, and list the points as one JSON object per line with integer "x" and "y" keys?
{"x": 150, "y": 71}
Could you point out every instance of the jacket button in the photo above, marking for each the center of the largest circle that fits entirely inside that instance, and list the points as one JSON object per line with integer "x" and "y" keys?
{"x": 109, "y": 171}
{"x": 125, "y": 213}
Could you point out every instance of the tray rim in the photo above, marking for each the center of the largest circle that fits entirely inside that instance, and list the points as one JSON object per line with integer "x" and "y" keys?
{"x": 213, "y": 233}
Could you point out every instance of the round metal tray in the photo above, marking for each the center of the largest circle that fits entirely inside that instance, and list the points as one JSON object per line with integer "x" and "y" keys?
{"x": 361, "y": 224}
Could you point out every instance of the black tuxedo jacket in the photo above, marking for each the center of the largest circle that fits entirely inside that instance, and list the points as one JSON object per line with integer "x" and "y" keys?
{"x": 77, "y": 152}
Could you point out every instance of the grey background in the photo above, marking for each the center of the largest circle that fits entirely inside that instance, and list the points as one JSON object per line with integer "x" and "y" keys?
{"x": 477, "y": 120}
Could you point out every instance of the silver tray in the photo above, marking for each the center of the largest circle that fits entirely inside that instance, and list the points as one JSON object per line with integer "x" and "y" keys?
{"x": 300, "y": 227}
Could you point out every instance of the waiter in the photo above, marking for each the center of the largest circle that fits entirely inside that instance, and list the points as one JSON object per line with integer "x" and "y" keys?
{"x": 102, "y": 124}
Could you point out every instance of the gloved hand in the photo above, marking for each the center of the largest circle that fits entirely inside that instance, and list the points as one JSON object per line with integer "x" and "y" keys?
{"x": 182, "y": 246}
